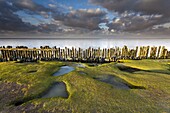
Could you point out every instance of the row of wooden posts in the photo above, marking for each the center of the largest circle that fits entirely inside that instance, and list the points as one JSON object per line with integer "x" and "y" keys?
{"x": 90, "y": 54}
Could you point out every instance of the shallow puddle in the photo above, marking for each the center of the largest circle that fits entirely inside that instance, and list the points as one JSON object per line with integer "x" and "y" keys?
{"x": 63, "y": 70}
{"x": 57, "y": 90}
{"x": 80, "y": 65}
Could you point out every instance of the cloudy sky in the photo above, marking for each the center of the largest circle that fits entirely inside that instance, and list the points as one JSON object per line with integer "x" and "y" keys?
{"x": 81, "y": 17}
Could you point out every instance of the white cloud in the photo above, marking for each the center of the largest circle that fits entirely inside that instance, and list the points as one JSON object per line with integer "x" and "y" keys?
{"x": 52, "y": 5}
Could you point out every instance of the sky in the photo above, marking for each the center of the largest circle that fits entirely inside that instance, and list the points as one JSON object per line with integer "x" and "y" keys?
{"x": 84, "y": 17}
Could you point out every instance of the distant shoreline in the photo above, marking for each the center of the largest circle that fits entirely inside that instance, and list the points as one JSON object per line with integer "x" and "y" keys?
{"x": 82, "y": 38}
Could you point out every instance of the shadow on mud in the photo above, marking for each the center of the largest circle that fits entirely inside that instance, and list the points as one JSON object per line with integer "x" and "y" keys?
{"x": 132, "y": 70}
{"x": 127, "y": 69}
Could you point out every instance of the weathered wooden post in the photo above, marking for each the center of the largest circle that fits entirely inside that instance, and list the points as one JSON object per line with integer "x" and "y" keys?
{"x": 72, "y": 53}
{"x": 41, "y": 53}
{"x": 108, "y": 54}
{"x": 56, "y": 53}
{"x": 46, "y": 52}
{"x": 66, "y": 53}
{"x": 37, "y": 54}
{"x": 32, "y": 54}
{"x": 3, "y": 54}
{"x": 89, "y": 52}
{"x": 168, "y": 54}
{"x": 124, "y": 52}
{"x": 159, "y": 51}
{"x": 75, "y": 54}
{"x": 163, "y": 52}
{"x": 61, "y": 54}
{"x": 50, "y": 54}
{"x": 17, "y": 52}
{"x": 69, "y": 53}
{"x": 24, "y": 53}
{"x": 145, "y": 49}
{"x": 21, "y": 53}
{"x": 92, "y": 54}
{"x": 7, "y": 54}
{"x": 119, "y": 52}
{"x": 79, "y": 54}
{"x": 138, "y": 52}
{"x": 111, "y": 53}
{"x": 148, "y": 52}
{"x": 143, "y": 52}
{"x": 153, "y": 52}
{"x": 84, "y": 55}
{"x": 103, "y": 53}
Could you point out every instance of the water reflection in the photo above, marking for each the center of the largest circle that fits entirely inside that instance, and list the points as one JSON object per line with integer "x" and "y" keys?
{"x": 85, "y": 43}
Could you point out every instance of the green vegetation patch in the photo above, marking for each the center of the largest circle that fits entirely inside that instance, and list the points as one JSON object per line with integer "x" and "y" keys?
{"x": 87, "y": 94}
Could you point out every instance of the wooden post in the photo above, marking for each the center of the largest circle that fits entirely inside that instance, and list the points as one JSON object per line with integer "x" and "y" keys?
{"x": 108, "y": 54}
{"x": 69, "y": 53}
{"x": 3, "y": 54}
{"x": 66, "y": 53}
{"x": 168, "y": 54}
{"x": 163, "y": 52}
{"x": 153, "y": 52}
{"x": 159, "y": 51}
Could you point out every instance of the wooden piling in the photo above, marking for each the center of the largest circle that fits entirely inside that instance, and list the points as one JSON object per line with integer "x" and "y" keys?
{"x": 90, "y": 54}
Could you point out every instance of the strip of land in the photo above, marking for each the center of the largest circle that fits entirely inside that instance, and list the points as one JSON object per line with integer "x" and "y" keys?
{"x": 109, "y": 87}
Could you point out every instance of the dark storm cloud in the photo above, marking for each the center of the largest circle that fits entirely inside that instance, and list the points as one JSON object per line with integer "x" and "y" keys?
{"x": 83, "y": 18}
{"x": 135, "y": 22}
{"x": 145, "y": 6}
{"x": 141, "y": 9}
{"x": 116, "y": 5}
{"x": 29, "y": 6}
{"x": 10, "y": 21}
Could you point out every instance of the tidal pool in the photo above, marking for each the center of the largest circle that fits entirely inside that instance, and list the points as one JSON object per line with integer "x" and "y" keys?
{"x": 57, "y": 90}
{"x": 63, "y": 70}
